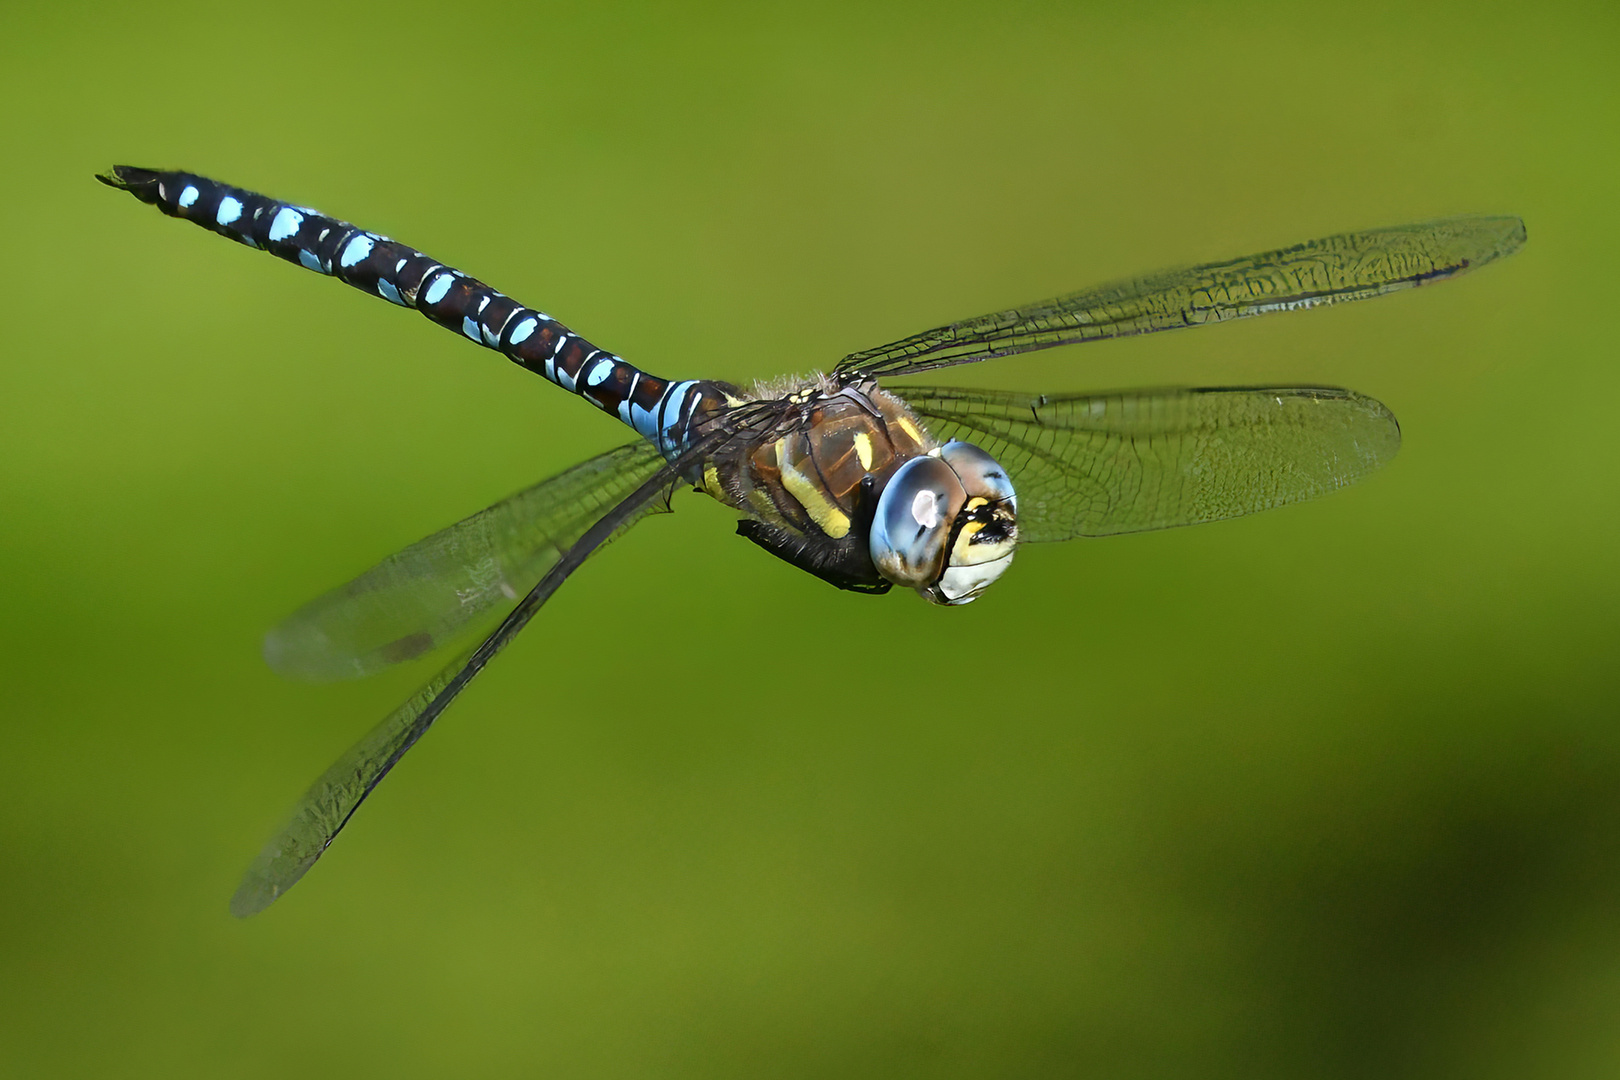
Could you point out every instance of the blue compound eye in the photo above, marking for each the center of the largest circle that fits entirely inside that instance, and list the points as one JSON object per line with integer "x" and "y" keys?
{"x": 914, "y": 519}
{"x": 986, "y": 532}
{"x": 948, "y": 525}
{"x": 982, "y": 475}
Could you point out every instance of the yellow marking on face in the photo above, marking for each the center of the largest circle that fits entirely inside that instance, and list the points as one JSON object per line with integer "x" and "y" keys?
{"x": 964, "y": 543}
{"x": 832, "y": 521}
{"x": 863, "y": 449}
{"x": 976, "y": 502}
{"x": 965, "y": 553}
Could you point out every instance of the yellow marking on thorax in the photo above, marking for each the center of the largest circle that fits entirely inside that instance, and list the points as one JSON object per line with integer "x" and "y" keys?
{"x": 863, "y": 449}
{"x": 909, "y": 428}
{"x": 832, "y": 521}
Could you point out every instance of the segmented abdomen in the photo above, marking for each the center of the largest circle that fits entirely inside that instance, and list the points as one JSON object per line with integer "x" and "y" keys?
{"x": 658, "y": 410}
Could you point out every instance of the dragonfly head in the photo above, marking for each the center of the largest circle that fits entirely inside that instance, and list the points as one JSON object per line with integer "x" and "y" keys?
{"x": 946, "y": 524}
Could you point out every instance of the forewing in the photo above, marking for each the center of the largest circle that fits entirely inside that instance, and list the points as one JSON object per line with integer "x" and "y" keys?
{"x": 1099, "y": 464}
{"x": 327, "y": 806}
{"x": 329, "y": 803}
{"x": 419, "y": 598}
{"x": 1350, "y": 266}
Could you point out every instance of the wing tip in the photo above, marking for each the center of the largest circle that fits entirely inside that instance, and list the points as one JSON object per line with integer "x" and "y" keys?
{"x": 266, "y": 881}
{"x": 280, "y": 653}
{"x": 1504, "y": 233}
{"x": 252, "y": 897}
{"x": 1477, "y": 240}
{"x": 293, "y": 651}
{"x": 1379, "y": 437}
{"x": 1381, "y": 455}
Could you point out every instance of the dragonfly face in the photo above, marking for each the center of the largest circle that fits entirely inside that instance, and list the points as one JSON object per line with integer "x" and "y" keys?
{"x": 863, "y": 485}
{"x": 946, "y": 524}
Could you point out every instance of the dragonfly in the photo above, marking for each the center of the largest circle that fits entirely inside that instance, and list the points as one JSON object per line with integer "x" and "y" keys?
{"x": 863, "y": 484}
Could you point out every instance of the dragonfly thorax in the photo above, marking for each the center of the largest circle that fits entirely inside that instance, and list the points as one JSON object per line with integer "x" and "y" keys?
{"x": 946, "y": 524}
{"x": 851, "y": 486}
{"x": 818, "y": 473}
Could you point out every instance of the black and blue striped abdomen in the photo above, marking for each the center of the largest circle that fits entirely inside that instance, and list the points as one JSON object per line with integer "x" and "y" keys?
{"x": 659, "y": 410}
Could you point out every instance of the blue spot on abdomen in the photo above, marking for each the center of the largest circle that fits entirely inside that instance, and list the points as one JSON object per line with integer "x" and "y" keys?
{"x": 286, "y": 224}
{"x": 439, "y": 289}
{"x": 522, "y": 331}
{"x": 356, "y": 250}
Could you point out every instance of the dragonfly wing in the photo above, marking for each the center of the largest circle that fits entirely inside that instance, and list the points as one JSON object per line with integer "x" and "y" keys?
{"x": 329, "y": 803}
{"x": 1100, "y": 464}
{"x": 1350, "y": 266}
{"x": 415, "y": 600}
{"x": 327, "y": 806}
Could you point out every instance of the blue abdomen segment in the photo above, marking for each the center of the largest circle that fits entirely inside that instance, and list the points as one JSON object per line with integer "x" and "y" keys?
{"x": 659, "y": 410}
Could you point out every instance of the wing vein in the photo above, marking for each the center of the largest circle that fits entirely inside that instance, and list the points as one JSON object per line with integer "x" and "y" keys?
{"x": 1334, "y": 269}
{"x": 333, "y": 799}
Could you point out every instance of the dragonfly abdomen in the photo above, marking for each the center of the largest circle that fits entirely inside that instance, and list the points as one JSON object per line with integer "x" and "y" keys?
{"x": 659, "y": 410}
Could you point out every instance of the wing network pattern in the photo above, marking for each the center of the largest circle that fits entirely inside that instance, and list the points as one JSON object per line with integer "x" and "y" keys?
{"x": 415, "y": 600}
{"x": 1349, "y": 266}
{"x": 329, "y": 803}
{"x": 1099, "y": 464}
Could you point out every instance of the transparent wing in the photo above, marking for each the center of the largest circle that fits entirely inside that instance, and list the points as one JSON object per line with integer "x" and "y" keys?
{"x": 1350, "y": 266}
{"x": 1098, "y": 464}
{"x": 415, "y": 600}
{"x": 327, "y": 806}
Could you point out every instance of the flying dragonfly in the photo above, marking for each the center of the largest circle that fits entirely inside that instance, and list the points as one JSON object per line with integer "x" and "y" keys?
{"x": 859, "y": 483}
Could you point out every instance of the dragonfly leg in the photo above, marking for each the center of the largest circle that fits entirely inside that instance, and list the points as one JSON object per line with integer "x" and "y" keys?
{"x": 846, "y": 566}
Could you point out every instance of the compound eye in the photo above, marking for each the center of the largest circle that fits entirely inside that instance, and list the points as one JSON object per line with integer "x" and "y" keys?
{"x": 986, "y": 531}
{"x": 913, "y": 522}
{"x": 982, "y": 475}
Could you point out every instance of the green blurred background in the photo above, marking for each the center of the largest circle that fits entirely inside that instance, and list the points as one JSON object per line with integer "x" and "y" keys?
{"x": 1327, "y": 792}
